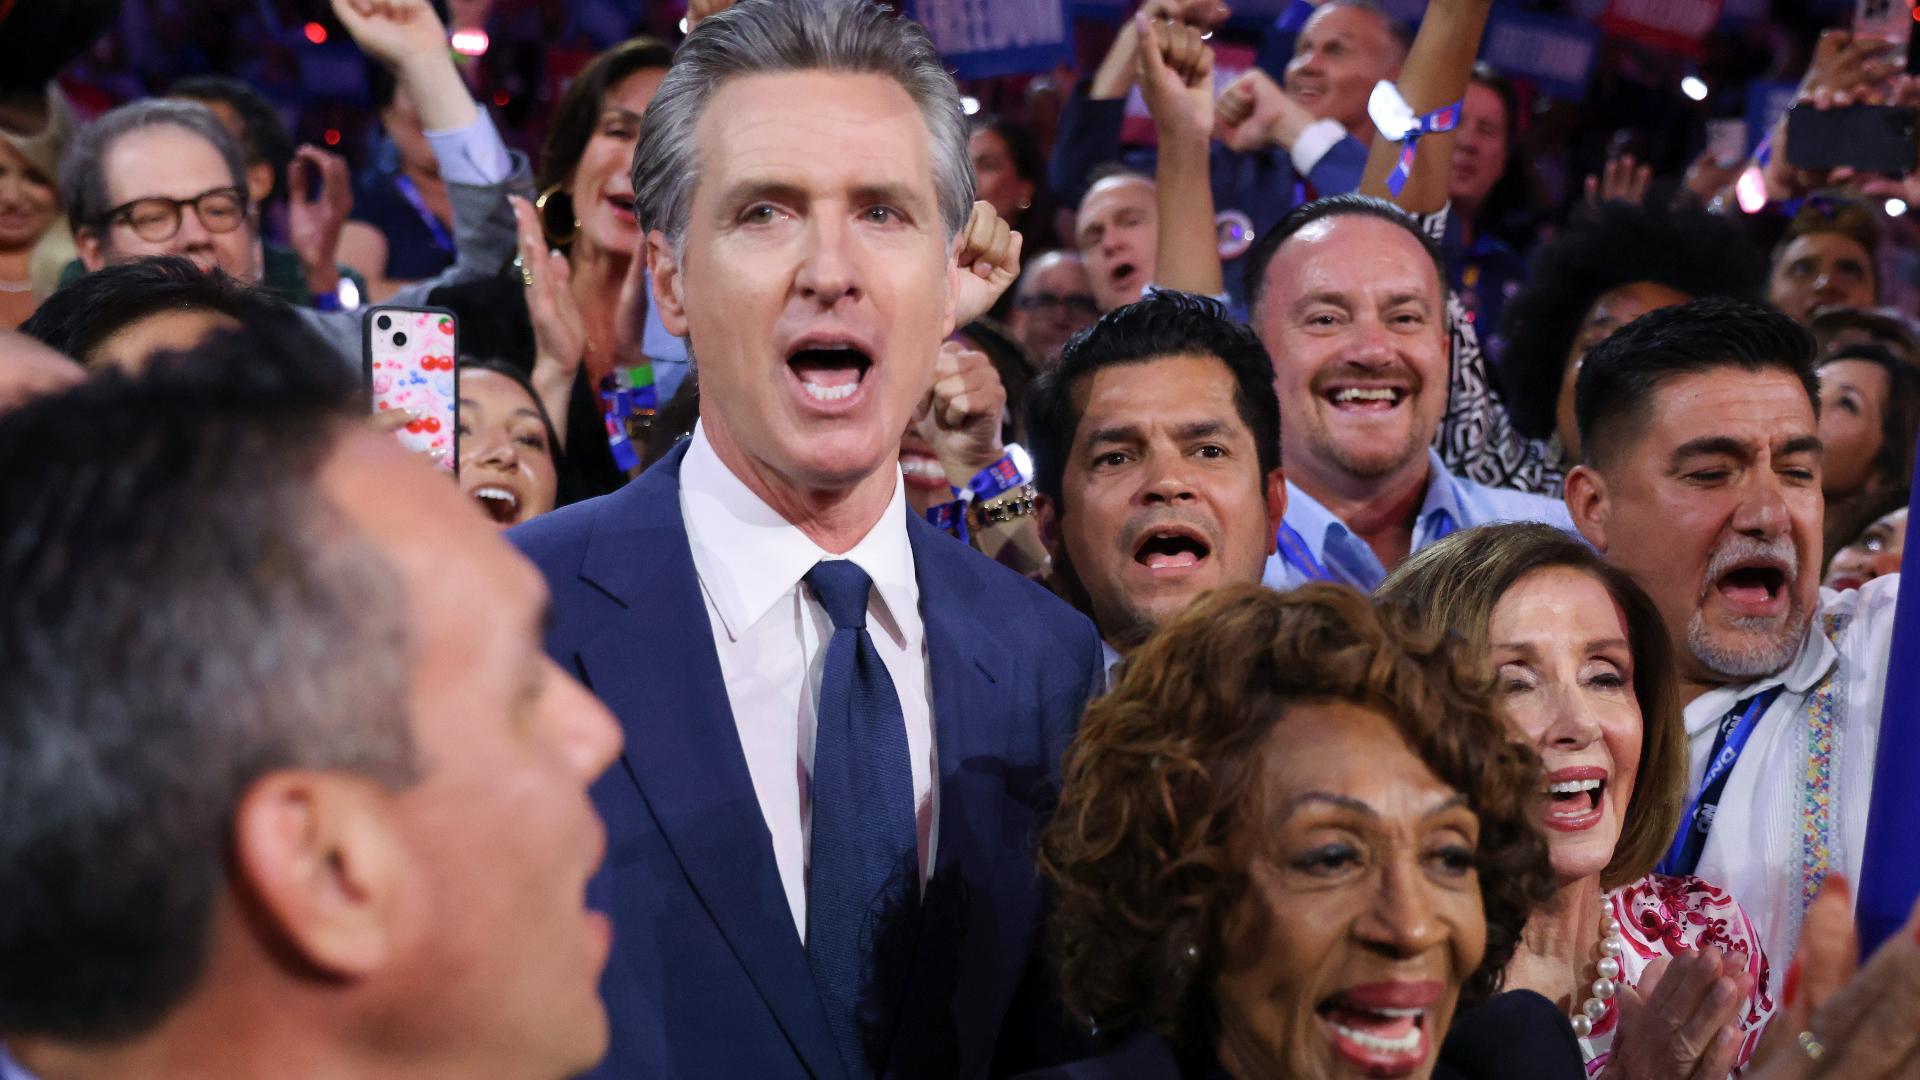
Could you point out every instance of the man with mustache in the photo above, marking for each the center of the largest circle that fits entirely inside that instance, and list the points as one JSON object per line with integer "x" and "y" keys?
{"x": 1156, "y": 449}
{"x": 1699, "y": 428}
{"x": 1348, "y": 296}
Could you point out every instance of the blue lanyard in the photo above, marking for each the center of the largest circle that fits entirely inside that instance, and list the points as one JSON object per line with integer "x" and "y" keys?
{"x": 1296, "y": 553}
{"x": 1684, "y": 854}
{"x": 411, "y": 193}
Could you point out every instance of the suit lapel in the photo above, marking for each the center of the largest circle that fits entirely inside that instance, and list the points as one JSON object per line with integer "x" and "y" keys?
{"x": 654, "y": 664}
{"x": 966, "y": 662}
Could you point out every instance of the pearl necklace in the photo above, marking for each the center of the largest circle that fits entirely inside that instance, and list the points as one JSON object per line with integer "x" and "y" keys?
{"x": 1607, "y": 969}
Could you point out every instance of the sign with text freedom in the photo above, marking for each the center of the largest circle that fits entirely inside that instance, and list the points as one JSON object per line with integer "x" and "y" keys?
{"x": 981, "y": 39}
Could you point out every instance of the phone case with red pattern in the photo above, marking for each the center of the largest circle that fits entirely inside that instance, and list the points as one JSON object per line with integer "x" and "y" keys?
{"x": 409, "y": 356}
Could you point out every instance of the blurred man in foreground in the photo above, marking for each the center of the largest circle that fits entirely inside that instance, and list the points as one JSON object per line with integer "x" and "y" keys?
{"x": 293, "y": 790}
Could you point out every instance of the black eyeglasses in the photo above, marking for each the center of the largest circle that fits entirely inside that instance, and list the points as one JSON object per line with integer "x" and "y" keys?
{"x": 1076, "y": 302}
{"x": 157, "y": 218}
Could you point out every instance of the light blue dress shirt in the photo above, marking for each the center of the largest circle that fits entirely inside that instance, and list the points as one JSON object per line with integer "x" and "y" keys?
{"x": 1327, "y": 550}
{"x": 671, "y": 364}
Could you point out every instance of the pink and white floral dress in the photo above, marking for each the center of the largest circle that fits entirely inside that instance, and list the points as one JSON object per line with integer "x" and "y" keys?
{"x": 1670, "y": 916}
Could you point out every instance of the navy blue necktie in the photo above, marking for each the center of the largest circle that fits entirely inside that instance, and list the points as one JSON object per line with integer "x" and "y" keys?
{"x": 863, "y": 880}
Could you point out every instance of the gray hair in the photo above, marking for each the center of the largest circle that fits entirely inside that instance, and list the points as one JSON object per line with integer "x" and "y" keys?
{"x": 185, "y": 614}
{"x": 83, "y": 172}
{"x": 768, "y": 36}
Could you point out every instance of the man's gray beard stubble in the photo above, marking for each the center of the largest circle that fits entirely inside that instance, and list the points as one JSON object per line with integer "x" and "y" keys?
{"x": 1748, "y": 661}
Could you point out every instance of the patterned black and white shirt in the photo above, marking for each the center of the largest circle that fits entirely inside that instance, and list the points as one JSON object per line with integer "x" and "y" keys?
{"x": 1477, "y": 439}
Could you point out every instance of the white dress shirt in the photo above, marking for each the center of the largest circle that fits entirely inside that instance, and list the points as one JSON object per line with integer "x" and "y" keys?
{"x": 1312, "y": 144}
{"x": 772, "y": 634}
{"x": 1814, "y": 746}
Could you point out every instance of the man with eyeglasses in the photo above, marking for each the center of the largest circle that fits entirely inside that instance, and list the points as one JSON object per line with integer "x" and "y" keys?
{"x": 165, "y": 177}
{"x": 1052, "y": 302}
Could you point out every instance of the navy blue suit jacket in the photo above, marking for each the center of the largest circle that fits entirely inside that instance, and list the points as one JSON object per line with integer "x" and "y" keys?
{"x": 708, "y": 978}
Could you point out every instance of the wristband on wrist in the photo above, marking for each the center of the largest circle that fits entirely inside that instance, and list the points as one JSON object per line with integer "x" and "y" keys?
{"x": 344, "y": 297}
{"x": 950, "y": 517}
{"x": 1012, "y": 470}
{"x": 1397, "y": 122}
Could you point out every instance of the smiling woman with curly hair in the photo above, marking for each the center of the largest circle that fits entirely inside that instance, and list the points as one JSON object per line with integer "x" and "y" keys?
{"x": 1293, "y": 841}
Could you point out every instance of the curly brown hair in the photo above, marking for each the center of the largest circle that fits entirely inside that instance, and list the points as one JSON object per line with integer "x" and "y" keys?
{"x": 1161, "y": 774}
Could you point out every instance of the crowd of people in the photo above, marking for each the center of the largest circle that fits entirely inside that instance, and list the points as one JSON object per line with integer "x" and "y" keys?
{"x": 916, "y": 601}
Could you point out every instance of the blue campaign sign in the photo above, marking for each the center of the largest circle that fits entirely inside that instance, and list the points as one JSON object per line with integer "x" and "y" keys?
{"x": 1555, "y": 54}
{"x": 981, "y": 39}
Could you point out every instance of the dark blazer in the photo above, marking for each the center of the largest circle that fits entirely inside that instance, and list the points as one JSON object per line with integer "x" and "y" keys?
{"x": 1518, "y": 1035}
{"x": 708, "y": 978}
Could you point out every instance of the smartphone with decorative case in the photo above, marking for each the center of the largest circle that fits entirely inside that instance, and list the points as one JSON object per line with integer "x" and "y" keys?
{"x": 409, "y": 361}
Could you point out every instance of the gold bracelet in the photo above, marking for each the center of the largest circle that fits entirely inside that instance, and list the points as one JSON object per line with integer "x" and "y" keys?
{"x": 1014, "y": 504}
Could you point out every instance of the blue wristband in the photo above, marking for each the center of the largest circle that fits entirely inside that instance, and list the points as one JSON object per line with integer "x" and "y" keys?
{"x": 344, "y": 297}
{"x": 949, "y": 517}
{"x": 1002, "y": 476}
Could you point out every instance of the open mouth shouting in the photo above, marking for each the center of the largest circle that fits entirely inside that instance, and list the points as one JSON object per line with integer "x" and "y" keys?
{"x": 1382, "y": 1028}
{"x": 829, "y": 372}
{"x": 500, "y": 503}
{"x": 1576, "y": 797}
{"x": 1171, "y": 549}
{"x": 623, "y": 208}
{"x": 1127, "y": 279}
{"x": 1755, "y": 587}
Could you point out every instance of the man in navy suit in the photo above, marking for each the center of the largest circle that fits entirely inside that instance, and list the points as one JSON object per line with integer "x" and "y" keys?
{"x": 844, "y": 729}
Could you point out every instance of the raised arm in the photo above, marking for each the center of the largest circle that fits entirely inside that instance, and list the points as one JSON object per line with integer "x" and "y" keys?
{"x": 407, "y": 38}
{"x": 1090, "y": 125}
{"x": 1115, "y": 75}
{"x": 1176, "y": 77}
{"x": 1434, "y": 76}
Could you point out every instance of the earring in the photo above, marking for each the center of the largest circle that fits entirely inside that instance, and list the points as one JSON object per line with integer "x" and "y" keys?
{"x": 1026, "y": 204}
{"x": 546, "y": 227}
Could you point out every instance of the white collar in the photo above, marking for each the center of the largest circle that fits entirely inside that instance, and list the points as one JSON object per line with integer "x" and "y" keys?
{"x": 748, "y": 557}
